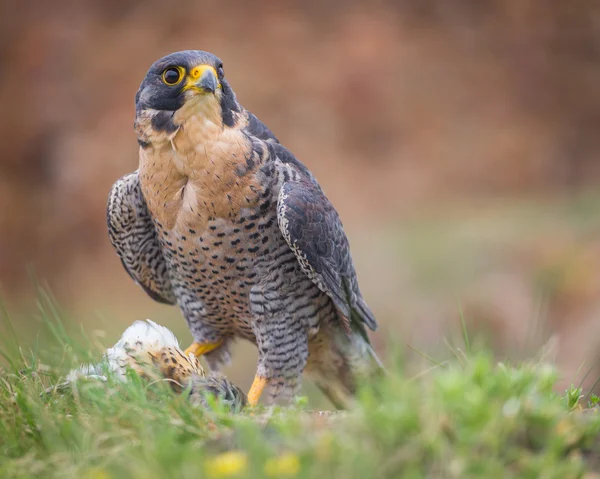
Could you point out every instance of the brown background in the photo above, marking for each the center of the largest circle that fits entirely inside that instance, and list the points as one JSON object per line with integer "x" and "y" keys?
{"x": 459, "y": 141}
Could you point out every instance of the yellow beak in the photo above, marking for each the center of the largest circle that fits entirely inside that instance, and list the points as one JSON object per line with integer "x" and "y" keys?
{"x": 203, "y": 78}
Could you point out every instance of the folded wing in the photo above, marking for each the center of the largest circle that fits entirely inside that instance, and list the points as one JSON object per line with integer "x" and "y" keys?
{"x": 134, "y": 238}
{"x": 313, "y": 230}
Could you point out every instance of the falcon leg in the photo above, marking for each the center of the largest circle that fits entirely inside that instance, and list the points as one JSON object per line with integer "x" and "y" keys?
{"x": 282, "y": 354}
{"x": 200, "y": 349}
{"x": 256, "y": 390}
{"x": 208, "y": 341}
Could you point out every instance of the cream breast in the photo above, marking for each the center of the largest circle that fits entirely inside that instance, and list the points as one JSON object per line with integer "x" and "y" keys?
{"x": 195, "y": 175}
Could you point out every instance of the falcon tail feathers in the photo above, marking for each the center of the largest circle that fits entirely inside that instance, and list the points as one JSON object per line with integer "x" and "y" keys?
{"x": 348, "y": 362}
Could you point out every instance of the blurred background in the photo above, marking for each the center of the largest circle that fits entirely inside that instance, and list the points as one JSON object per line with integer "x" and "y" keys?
{"x": 458, "y": 140}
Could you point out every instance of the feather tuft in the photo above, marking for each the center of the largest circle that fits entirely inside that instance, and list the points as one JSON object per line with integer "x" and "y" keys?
{"x": 154, "y": 353}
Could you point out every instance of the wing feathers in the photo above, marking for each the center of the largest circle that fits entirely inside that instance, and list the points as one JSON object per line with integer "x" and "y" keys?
{"x": 314, "y": 232}
{"x": 133, "y": 236}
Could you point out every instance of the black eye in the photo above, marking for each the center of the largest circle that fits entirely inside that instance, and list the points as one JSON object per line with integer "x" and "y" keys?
{"x": 220, "y": 71}
{"x": 171, "y": 76}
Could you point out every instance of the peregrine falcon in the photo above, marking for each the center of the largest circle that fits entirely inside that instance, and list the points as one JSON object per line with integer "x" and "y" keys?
{"x": 223, "y": 220}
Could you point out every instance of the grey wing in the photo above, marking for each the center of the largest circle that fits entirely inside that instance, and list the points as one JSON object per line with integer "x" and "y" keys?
{"x": 313, "y": 230}
{"x": 133, "y": 236}
{"x": 259, "y": 130}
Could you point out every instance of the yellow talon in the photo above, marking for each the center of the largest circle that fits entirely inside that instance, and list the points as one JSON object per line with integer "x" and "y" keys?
{"x": 198, "y": 349}
{"x": 258, "y": 386}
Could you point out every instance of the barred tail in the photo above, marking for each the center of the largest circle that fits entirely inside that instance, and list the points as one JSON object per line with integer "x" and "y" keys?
{"x": 348, "y": 361}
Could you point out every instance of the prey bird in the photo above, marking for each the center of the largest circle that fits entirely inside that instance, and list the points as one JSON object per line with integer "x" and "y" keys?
{"x": 223, "y": 221}
{"x": 153, "y": 352}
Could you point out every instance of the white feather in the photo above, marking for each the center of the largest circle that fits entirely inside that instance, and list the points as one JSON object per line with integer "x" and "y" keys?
{"x": 139, "y": 339}
{"x": 152, "y": 336}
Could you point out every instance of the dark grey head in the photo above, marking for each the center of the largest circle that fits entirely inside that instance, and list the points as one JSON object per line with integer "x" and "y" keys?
{"x": 175, "y": 79}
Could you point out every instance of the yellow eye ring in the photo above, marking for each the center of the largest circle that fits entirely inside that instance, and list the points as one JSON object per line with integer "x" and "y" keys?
{"x": 173, "y": 75}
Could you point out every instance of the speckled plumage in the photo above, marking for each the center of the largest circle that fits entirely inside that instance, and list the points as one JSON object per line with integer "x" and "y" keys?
{"x": 221, "y": 219}
{"x": 153, "y": 352}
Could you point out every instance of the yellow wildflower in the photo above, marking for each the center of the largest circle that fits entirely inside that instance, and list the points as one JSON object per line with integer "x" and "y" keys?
{"x": 285, "y": 465}
{"x": 323, "y": 450}
{"x": 96, "y": 473}
{"x": 228, "y": 464}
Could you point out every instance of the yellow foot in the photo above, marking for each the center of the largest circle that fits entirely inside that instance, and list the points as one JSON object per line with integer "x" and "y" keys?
{"x": 198, "y": 349}
{"x": 258, "y": 386}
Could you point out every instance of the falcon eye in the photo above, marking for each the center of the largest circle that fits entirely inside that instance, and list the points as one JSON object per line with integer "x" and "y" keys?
{"x": 172, "y": 76}
{"x": 220, "y": 71}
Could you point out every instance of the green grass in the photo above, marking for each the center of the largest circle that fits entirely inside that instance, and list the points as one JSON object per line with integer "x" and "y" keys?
{"x": 466, "y": 417}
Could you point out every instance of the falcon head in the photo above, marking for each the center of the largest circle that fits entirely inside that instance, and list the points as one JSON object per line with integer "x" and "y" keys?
{"x": 183, "y": 84}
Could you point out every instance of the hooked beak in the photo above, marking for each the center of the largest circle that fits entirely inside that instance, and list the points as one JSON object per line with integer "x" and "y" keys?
{"x": 208, "y": 81}
{"x": 203, "y": 79}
